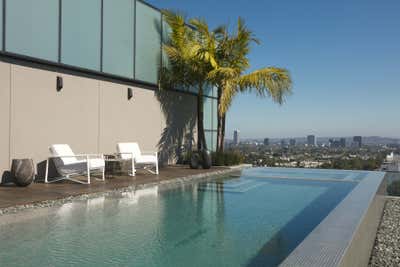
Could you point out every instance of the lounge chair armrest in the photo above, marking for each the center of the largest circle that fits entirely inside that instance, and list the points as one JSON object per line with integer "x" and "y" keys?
{"x": 123, "y": 153}
{"x": 89, "y": 155}
{"x": 149, "y": 152}
{"x": 78, "y": 156}
{"x": 54, "y": 157}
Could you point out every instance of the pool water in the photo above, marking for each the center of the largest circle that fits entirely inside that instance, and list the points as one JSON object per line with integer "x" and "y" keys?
{"x": 296, "y": 173}
{"x": 232, "y": 221}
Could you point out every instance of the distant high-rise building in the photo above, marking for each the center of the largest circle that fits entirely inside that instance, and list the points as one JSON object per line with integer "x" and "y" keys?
{"x": 357, "y": 140}
{"x": 292, "y": 142}
{"x": 283, "y": 143}
{"x": 337, "y": 143}
{"x": 266, "y": 141}
{"x": 311, "y": 140}
{"x": 236, "y": 137}
{"x": 343, "y": 142}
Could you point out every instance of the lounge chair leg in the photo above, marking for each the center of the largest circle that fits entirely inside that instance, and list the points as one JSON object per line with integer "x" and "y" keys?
{"x": 133, "y": 166}
{"x": 47, "y": 172}
{"x": 156, "y": 163}
{"x": 88, "y": 168}
{"x": 104, "y": 169}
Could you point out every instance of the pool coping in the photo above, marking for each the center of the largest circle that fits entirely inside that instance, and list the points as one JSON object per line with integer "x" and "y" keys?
{"x": 85, "y": 196}
{"x": 346, "y": 236}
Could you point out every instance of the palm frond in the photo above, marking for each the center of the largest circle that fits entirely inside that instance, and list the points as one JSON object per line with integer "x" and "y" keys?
{"x": 273, "y": 82}
{"x": 227, "y": 96}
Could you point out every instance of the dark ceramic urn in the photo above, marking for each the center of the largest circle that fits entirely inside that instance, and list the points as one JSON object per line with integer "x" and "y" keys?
{"x": 22, "y": 171}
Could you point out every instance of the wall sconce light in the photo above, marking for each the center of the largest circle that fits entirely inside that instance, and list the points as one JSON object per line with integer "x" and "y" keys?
{"x": 60, "y": 83}
{"x": 130, "y": 93}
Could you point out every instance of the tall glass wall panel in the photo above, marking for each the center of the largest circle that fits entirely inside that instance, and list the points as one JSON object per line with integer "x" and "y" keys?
{"x": 165, "y": 39}
{"x": 118, "y": 37}
{"x": 214, "y": 114}
{"x": 148, "y": 43}
{"x": 193, "y": 89}
{"x": 214, "y": 142}
{"x": 208, "y": 91}
{"x": 207, "y": 111}
{"x": 209, "y": 140}
{"x": 80, "y": 33}
{"x": 210, "y": 109}
{"x": 32, "y": 28}
{"x": 1, "y": 24}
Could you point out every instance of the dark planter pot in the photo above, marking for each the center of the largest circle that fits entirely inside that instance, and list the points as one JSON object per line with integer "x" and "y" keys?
{"x": 202, "y": 159}
{"x": 195, "y": 161}
{"x": 206, "y": 159}
{"x": 22, "y": 171}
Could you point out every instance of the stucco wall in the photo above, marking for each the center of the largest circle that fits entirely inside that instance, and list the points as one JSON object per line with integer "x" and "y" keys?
{"x": 122, "y": 120}
{"x": 4, "y": 116}
{"x": 91, "y": 115}
{"x": 41, "y": 116}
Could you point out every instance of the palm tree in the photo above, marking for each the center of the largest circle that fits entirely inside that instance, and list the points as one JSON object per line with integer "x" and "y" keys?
{"x": 188, "y": 51}
{"x": 198, "y": 57}
{"x": 228, "y": 75}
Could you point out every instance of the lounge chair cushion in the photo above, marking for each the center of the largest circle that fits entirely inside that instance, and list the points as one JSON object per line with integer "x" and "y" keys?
{"x": 71, "y": 164}
{"x": 63, "y": 150}
{"x": 146, "y": 159}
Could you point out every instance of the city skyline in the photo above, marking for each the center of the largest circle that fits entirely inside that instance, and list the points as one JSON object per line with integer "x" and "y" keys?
{"x": 327, "y": 140}
{"x": 343, "y": 57}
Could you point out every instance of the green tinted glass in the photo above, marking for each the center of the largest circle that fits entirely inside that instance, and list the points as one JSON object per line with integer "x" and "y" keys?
{"x": 32, "y": 28}
{"x": 118, "y": 39}
{"x": 81, "y": 25}
{"x": 1, "y": 24}
{"x": 148, "y": 43}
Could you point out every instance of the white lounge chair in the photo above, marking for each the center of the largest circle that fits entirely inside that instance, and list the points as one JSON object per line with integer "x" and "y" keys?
{"x": 69, "y": 164}
{"x": 131, "y": 151}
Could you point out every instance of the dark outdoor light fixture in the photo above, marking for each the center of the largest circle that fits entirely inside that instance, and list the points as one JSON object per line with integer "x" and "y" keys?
{"x": 60, "y": 83}
{"x": 130, "y": 93}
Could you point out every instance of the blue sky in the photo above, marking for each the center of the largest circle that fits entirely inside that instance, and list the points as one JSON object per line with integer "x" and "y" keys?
{"x": 344, "y": 58}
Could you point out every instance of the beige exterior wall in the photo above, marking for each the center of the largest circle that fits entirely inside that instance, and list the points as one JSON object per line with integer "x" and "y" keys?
{"x": 4, "y": 116}
{"x": 121, "y": 120}
{"x": 89, "y": 114}
{"x": 41, "y": 116}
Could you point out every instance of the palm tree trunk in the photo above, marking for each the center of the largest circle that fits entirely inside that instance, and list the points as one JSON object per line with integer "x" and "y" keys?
{"x": 220, "y": 126}
{"x": 201, "y": 139}
{"x": 222, "y": 145}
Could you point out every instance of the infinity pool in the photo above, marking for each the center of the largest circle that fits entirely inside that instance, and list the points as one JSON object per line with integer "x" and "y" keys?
{"x": 253, "y": 219}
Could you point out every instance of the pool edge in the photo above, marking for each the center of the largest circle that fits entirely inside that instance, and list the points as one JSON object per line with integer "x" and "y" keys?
{"x": 346, "y": 236}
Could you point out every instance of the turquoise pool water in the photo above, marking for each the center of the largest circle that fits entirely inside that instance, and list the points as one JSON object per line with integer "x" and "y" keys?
{"x": 296, "y": 173}
{"x": 233, "y": 221}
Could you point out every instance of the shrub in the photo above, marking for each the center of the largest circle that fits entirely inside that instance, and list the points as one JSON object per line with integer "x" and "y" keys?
{"x": 228, "y": 158}
{"x": 394, "y": 188}
{"x": 184, "y": 158}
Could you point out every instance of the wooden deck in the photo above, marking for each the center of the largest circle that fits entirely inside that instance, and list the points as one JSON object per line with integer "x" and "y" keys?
{"x": 11, "y": 195}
